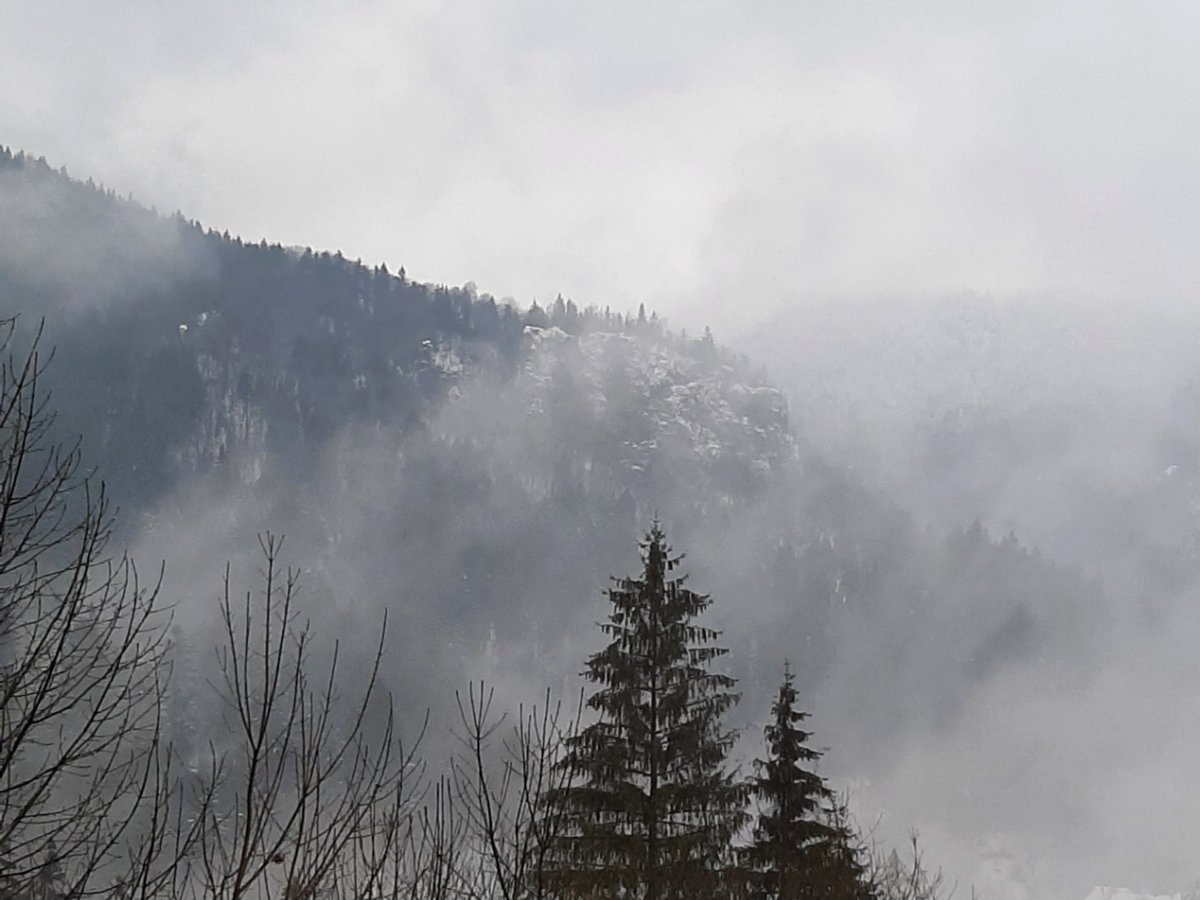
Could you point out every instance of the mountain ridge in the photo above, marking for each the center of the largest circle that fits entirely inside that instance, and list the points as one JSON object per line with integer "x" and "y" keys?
{"x": 482, "y": 470}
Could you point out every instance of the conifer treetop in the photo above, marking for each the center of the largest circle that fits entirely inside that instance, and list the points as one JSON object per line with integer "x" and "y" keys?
{"x": 655, "y": 809}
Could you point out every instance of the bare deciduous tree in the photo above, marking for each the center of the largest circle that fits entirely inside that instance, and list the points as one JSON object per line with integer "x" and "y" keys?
{"x": 909, "y": 878}
{"x": 311, "y": 798}
{"x": 82, "y": 665}
{"x": 504, "y": 793}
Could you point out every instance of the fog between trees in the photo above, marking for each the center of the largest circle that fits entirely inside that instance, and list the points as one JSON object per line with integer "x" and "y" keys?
{"x": 479, "y": 470}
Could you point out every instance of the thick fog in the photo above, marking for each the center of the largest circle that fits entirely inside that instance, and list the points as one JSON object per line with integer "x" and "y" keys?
{"x": 1070, "y": 425}
{"x": 957, "y": 239}
{"x": 98, "y": 264}
{"x": 1038, "y": 744}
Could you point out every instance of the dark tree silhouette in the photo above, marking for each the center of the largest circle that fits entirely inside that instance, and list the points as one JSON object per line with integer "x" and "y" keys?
{"x": 802, "y": 845}
{"x": 654, "y": 809}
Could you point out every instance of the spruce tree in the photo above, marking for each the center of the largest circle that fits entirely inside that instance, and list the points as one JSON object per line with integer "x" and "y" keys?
{"x": 843, "y": 872}
{"x": 802, "y": 846}
{"x": 653, "y": 809}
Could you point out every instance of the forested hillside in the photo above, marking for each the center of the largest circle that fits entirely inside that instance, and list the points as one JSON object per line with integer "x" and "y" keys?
{"x": 480, "y": 468}
{"x": 493, "y": 461}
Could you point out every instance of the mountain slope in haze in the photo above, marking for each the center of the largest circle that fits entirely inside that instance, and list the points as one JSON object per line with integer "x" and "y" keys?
{"x": 248, "y": 366}
{"x": 1073, "y": 424}
{"x": 481, "y": 470}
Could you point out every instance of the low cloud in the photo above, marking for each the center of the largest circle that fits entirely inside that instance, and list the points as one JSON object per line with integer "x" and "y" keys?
{"x": 716, "y": 162}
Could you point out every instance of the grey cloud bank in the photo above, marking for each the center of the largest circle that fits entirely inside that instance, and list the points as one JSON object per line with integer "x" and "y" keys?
{"x": 696, "y": 157}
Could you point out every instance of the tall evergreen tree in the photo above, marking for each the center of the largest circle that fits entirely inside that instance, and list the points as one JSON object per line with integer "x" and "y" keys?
{"x": 653, "y": 808}
{"x": 802, "y": 845}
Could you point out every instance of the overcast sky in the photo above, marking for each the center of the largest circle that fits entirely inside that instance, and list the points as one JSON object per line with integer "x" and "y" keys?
{"x": 695, "y": 156}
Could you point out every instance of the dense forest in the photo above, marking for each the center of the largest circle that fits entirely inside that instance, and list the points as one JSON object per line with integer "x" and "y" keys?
{"x": 478, "y": 470}
{"x": 295, "y": 790}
